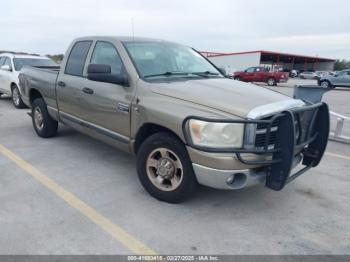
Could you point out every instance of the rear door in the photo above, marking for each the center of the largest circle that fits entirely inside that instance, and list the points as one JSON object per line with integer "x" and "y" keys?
{"x": 71, "y": 81}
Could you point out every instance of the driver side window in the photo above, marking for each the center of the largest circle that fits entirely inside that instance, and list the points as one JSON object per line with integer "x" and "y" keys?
{"x": 105, "y": 53}
{"x": 2, "y": 60}
{"x": 8, "y": 62}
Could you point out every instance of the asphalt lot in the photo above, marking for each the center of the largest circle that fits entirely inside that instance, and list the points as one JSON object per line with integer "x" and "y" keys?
{"x": 43, "y": 180}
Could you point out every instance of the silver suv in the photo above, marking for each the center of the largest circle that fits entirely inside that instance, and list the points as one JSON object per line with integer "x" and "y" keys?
{"x": 341, "y": 79}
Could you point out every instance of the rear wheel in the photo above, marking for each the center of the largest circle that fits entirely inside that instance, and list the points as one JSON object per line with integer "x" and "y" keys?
{"x": 271, "y": 82}
{"x": 44, "y": 125}
{"x": 16, "y": 98}
{"x": 164, "y": 168}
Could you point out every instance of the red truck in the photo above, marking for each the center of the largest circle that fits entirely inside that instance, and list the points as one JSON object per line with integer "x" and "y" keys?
{"x": 261, "y": 74}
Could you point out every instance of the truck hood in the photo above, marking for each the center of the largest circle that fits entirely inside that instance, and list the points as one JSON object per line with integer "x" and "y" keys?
{"x": 234, "y": 97}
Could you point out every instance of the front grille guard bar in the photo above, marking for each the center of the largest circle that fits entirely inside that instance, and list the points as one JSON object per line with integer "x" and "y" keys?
{"x": 280, "y": 164}
{"x": 238, "y": 151}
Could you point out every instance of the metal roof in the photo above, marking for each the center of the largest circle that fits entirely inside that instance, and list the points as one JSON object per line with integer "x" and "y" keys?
{"x": 264, "y": 52}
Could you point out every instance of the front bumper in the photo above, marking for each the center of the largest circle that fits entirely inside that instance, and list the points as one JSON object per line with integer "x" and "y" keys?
{"x": 227, "y": 179}
{"x": 232, "y": 179}
{"x": 299, "y": 135}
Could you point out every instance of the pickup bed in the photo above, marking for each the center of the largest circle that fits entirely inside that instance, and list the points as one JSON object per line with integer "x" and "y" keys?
{"x": 261, "y": 74}
{"x": 186, "y": 122}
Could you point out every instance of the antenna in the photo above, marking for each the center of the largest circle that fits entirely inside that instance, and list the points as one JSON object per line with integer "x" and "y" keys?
{"x": 132, "y": 29}
{"x": 133, "y": 36}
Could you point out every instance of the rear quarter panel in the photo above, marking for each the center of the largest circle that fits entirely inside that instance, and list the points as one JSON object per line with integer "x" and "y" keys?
{"x": 43, "y": 81}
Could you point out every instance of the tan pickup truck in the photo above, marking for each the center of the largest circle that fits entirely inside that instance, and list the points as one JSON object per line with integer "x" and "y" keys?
{"x": 185, "y": 121}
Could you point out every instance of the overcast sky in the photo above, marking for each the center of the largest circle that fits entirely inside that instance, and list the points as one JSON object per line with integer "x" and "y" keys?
{"x": 319, "y": 27}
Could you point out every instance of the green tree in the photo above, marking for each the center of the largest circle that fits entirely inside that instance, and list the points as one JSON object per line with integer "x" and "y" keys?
{"x": 341, "y": 64}
{"x": 57, "y": 58}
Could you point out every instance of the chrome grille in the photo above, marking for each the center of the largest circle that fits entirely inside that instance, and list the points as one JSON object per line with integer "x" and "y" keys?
{"x": 302, "y": 122}
{"x": 261, "y": 132}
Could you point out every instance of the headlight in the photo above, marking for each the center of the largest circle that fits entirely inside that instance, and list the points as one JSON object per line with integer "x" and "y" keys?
{"x": 216, "y": 135}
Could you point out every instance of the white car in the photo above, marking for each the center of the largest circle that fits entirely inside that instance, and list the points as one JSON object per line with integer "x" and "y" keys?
{"x": 10, "y": 65}
{"x": 309, "y": 75}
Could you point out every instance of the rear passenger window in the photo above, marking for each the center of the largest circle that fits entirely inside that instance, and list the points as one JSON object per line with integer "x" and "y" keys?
{"x": 106, "y": 54}
{"x": 77, "y": 57}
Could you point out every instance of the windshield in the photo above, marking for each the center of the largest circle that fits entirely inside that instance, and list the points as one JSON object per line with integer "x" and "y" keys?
{"x": 163, "y": 59}
{"x": 20, "y": 62}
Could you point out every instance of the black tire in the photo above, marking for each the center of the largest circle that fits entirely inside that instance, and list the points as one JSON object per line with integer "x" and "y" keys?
{"x": 326, "y": 84}
{"x": 271, "y": 81}
{"x": 16, "y": 98}
{"x": 237, "y": 78}
{"x": 49, "y": 125}
{"x": 186, "y": 188}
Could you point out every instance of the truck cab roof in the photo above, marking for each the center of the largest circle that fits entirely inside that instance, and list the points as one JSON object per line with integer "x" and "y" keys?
{"x": 119, "y": 38}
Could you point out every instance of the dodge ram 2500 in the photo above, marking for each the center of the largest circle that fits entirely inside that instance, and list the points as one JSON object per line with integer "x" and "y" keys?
{"x": 186, "y": 122}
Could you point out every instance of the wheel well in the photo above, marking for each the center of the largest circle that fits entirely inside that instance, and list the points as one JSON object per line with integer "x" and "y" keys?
{"x": 13, "y": 85}
{"x": 146, "y": 131}
{"x": 34, "y": 94}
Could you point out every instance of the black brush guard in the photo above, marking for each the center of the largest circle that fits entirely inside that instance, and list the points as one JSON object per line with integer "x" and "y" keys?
{"x": 296, "y": 136}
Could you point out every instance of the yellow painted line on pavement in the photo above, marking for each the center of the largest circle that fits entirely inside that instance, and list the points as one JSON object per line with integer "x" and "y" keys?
{"x": 337, "y": 155}
{"x": 112, "y": 229}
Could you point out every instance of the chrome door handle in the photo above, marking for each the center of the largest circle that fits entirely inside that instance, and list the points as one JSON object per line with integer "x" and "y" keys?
{"x": 88, "y": 90}
{"x": 62, "y": 84}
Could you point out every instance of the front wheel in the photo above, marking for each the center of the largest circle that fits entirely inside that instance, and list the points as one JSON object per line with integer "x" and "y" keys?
{"x": 44, "y": 125}
{"x": 237, "y": 78}
{"x": 164, "y": 168}
{"x": 271, "y": 82}
{"x": 325, "y": 84}
{"x": 16, "y": 98}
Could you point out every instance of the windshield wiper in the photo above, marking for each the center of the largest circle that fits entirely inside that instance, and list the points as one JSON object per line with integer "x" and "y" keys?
{"x": 205, "y": 73}
{"x": 167, "y": 74}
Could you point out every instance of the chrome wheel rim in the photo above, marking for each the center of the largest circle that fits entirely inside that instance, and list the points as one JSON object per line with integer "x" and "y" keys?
{"x": 325, "y": 84}
{"x": 15, "y": 96}
{"x": 164, "y": 169}
{"x": 38, "y": 118}
{"x": 271, "y": 82}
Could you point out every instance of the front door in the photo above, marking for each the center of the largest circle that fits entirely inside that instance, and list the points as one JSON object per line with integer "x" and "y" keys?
{"x": 6, "y": 76}
{"x": 343, "y": 78}
{"x": 249, "y": 74}
{"x": 107, "y": 105}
